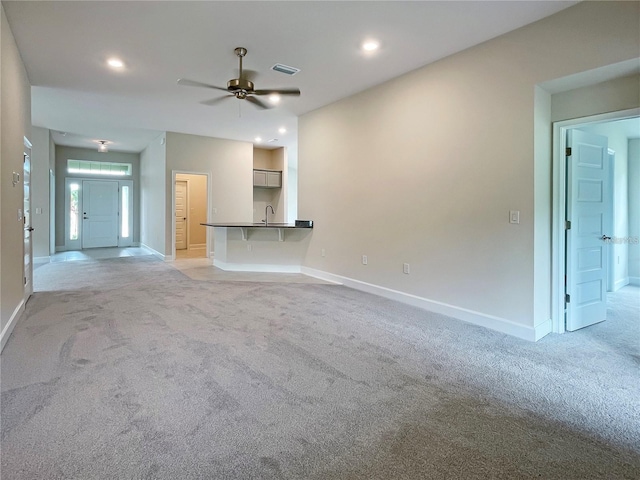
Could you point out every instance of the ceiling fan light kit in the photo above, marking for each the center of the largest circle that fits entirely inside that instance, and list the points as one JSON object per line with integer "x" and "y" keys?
{"x": 242, "y": 88}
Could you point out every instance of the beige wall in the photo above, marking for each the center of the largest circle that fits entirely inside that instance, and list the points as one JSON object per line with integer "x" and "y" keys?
{"x": 15, "y": 124}
{"x": 229, "y": 164}
{"x": 197, "y": 201}
{"x": 425, "y": 168}
{"x": 610, "y": 96}
{"x": 65, "y": 153}
{"x": 153, "y": 163}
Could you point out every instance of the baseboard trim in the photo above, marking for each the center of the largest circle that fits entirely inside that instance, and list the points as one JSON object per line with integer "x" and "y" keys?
{"x": 8, "y": 328}
{"x": 41, "y": 259}
{"x": 154, "y": 252}
{"x": 634, "y": 281}
{"x": 197, "y": 246}
{"x": 501, "y": 325}
{"x": 256, "y": 267}
{"x": 623, "y": 282}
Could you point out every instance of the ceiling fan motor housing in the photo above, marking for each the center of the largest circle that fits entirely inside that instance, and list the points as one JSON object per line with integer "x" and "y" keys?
{"x": 236, "y": 84}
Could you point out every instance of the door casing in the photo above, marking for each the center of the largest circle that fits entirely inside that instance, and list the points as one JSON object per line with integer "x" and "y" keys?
{"x": 173, "y": 209}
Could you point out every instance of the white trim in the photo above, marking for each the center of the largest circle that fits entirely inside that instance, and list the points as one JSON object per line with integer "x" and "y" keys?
{"x": 155, "y": 253}
{"x": 8, "y": 328}
{"x": 197, "y": 246}
{"x": 256, "y": 267}
{"x": 623, "y": 282}
{"x": 634, "y": 281}
{"x": 41, "y": 259}
{"x": 558, "y": 210}
{"x": 61, "y": 248}
{"x": 488, "y": 321}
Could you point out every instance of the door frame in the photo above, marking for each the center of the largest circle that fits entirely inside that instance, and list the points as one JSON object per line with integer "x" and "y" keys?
{"x": 559, "y": 198}
{"x": 186, "y": 207}
{"x": 27, "y": 222}
{"x": 209, "y": 237}
{"x": 77, "y": 244}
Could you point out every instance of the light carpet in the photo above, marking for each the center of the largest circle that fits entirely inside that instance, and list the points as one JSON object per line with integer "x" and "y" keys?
{"x": 128, "y": 369}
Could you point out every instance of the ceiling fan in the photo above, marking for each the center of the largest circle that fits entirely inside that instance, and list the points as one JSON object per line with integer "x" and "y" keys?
{"x": 242, "y": 88}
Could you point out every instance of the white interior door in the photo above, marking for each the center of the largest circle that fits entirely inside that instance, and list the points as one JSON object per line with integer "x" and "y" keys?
{"x": 588, "y": 210}
{"x": 100, "y": 213}
{"x": 181, "y": 215}
{"x": 28, "y": 247}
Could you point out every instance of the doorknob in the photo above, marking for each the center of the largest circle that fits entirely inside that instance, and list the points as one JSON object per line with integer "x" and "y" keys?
{"x": 30, "y": 229}
{"x": 605, "y": 238}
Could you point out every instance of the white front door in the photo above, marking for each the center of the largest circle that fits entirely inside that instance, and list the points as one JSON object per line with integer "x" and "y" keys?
{"x": 588, "y": 210}
{"x": 181, "y": 215}
{"x": 100, "y": 214}
{"x": 28, "y": 247}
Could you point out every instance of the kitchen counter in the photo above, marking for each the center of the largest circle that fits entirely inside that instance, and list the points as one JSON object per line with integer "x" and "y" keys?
{"x": 256, "y": 247}
{"x": 253, "y": 225}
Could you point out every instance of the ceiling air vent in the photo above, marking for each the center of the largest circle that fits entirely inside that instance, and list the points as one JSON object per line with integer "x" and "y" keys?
{"x": 278, "y": 67}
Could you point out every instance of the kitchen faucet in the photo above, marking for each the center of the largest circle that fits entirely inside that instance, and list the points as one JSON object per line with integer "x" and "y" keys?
{"x": 266, "y": 214}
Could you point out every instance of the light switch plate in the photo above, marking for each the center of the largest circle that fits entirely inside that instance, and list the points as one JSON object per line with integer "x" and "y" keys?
{"x": 514, "y": 216}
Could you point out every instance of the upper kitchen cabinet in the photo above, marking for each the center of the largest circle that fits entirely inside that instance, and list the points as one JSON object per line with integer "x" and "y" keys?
{"x": 267, "y": 178}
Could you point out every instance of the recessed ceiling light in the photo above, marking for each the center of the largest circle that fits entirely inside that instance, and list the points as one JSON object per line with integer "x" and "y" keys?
{"x": 258, "y": 139}
{"x": 274, "y": 98}
{"x": 282, "y": 130}
{"x": 370, "y": 45}
{"x": 115, "y": 63}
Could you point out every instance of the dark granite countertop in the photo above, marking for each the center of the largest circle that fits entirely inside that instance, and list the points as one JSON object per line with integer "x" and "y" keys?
{"x": 253, "y": 225}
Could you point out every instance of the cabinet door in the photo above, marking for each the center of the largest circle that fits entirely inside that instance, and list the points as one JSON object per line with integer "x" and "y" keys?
{"x": 259, "y": 178}
{"x": 274, "y": 179}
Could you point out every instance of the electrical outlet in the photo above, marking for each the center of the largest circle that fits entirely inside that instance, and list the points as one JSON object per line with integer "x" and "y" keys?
{"x": 365, "y": 260}
{"x": 215, "y": 210}
{"x": 514, "y": 216}
{"x": 405, "y": 268}
{"x": 249, "y": 247}
{"x": 323, "y": 253}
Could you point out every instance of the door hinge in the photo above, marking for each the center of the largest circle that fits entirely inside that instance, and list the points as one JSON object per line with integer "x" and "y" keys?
{"x": 567, "y": 298}
{"x": 567, "y": 151}
{"x": 25, "y": 280}
{"x": 567, "y": 225}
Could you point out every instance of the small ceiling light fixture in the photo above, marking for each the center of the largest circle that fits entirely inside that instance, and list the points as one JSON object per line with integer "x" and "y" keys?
{"x": 102, "y": 147}
{"x": 115, "y": 63}
{"x": 370, "y": 46}
{"x": 274, "y": 98}
{"x": 282, "y": 130}
{"x": 258, "y": 139}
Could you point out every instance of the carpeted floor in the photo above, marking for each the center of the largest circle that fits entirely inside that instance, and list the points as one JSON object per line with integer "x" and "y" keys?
{"x": 129, "y": 369}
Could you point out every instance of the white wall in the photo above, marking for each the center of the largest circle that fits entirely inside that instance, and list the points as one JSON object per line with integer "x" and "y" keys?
{"x": 425, "y": 168}
{"x": 15, "y": 118}
{"x": 40, "y": 191}
{"x": 65, "y": 153}
{"x": 153, "y": 162}
{"x": 634, "y": 210}
{"x": 229, "y": 164}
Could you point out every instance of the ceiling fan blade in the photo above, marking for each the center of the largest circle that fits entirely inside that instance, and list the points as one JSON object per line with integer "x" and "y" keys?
{"x": 278, "y": 91}
{"x": 193, "y": 83}
{"x": 257, "y": 102}
{"x": 215, "y": 101}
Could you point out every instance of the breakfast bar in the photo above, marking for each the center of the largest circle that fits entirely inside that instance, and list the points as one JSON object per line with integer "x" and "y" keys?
{"x": 260, "y": 247}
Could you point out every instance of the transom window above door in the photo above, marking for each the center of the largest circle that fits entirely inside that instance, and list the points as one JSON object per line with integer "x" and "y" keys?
{"x": 91, "y": 167}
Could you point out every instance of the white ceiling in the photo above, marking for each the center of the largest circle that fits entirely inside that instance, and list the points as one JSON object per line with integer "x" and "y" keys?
{"x": 64, "y": 46}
